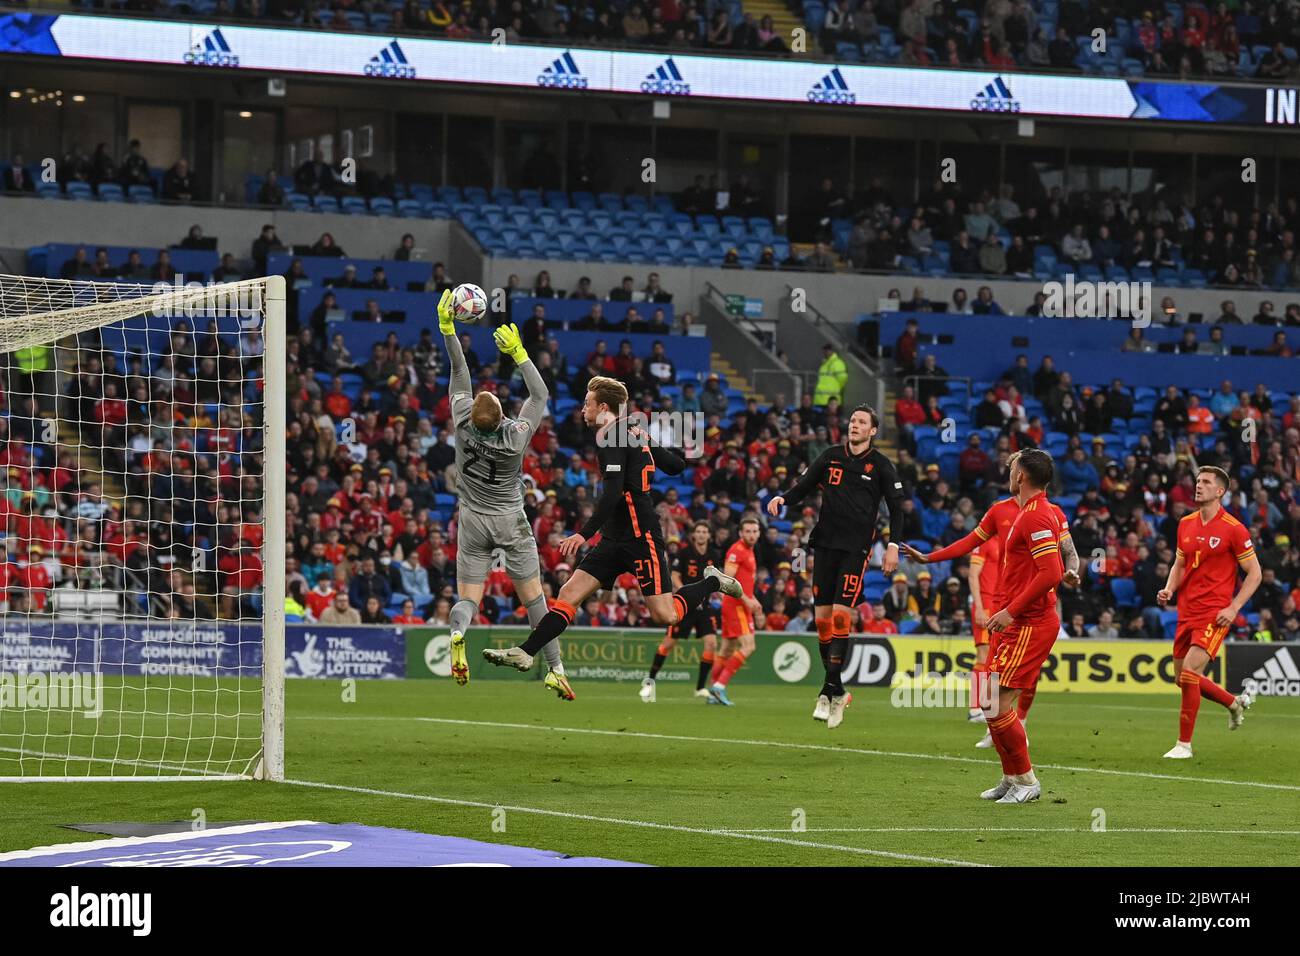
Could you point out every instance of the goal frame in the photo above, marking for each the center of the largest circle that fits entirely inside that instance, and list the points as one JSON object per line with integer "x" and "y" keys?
{"x": 269, "y": 764}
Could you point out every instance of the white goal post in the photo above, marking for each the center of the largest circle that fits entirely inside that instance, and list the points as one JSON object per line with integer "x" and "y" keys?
{"x": 142, "y": 530}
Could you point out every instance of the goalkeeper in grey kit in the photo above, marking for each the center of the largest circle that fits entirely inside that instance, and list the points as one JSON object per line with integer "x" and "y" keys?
{"x": 489, "y": 459}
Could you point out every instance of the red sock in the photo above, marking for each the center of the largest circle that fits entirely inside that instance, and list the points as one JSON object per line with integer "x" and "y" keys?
{"x": 719, "y": 664}
{"x": 734, "y": 663}
{"x": 999, "y": 745}
{"x": 1216, "y": 693}
{"x": 1190, "y": 682}
{"x": 1025, "y": 701}
{"x": 1009, "y": 737}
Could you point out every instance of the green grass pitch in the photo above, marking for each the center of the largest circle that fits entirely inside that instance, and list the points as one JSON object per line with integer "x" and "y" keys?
{"x": 681, "y": 783}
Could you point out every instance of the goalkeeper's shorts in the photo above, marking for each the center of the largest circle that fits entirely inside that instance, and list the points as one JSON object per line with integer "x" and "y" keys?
{"x": 506, "y": 540}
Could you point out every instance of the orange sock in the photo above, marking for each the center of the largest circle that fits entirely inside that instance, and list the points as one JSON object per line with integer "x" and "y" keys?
{"x": 1012, "y": 745}
{"x": 734, "y": 663}
{"x": 1190, "y": 683}
{"x": 1214, "y": 692}
{"x": 824, "y": 639}
{"x": 1025, "y": 701}
{"x": 707, "y": 657}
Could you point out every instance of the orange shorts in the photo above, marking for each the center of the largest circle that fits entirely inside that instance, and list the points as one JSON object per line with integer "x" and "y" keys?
{"x": 1207, "y": 636}
{"x": 736, "y": 621}
{"x": 1020, "y": 652}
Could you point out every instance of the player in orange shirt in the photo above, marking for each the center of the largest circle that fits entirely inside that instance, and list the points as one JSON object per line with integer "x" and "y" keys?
{"x": 1211, "y": 545}
{"x": 737, "y": 626}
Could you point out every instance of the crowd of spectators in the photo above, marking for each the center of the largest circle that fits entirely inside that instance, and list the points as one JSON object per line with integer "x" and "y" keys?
{"x": 176, "y": 183}
{"x": 995, "y": 234}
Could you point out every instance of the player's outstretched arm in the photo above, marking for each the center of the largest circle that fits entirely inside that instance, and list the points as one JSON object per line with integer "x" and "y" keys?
{"x": 807, "y": 483}
{"x": 460, "y": 383}
{"x": 509, "y": 342}
{"x": 955, "y": 550}
{"x": 666, "y": 459}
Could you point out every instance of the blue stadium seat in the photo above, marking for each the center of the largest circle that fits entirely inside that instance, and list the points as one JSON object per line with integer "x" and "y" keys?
{"x": 141, "y": 194}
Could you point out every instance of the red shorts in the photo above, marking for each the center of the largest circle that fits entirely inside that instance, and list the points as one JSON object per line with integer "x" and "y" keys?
{"x": 736, "y": 621}
{"x": 1205, "y": 635}
{"x": 1021, "y": 651}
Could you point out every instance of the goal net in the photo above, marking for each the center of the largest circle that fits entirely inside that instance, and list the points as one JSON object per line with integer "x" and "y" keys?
{"x": 142, "y": 470}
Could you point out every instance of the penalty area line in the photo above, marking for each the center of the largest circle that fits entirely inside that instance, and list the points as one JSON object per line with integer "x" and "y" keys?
{"x": 643, "y": 824}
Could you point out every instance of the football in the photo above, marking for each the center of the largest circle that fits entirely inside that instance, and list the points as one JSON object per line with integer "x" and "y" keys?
{"x": 468, "y": 302}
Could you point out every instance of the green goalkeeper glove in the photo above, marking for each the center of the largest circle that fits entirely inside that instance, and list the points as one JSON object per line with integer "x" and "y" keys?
{"x": 446, "y": 321}
{"x": 508, "y": 341}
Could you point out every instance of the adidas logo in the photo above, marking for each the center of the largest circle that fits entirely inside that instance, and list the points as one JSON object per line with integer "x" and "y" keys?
{"x": 666, "y": 79}
{"x": 563, "y": 74}
{"x": 832, "y": 89}
{"x": 390, "y": 62}
{"x": 1279, "y": 677}
{"x": 995, "y": 98}
{"x": 209, "y": 49}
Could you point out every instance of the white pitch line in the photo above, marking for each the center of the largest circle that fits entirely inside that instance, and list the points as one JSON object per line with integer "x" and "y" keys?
{"x": 1082, "y": 830}
{"x": 790, "y": 745}
{"x": 1051, "y": 700}
{"x": 644, "y": 824}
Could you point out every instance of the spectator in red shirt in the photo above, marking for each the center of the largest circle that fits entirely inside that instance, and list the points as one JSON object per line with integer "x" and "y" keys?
{"x": 905, "y": 348}
{"x": 337, "y": 403}
{"x": 875, "y": 621}
{"x": 777, "y": 619}
{"x": 35, "y": 578}
{"x": 320, "y": 596}
{"x": 973, "y": 464}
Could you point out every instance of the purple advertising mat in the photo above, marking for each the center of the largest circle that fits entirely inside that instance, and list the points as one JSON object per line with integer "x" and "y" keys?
{"x": 294, "y": 843}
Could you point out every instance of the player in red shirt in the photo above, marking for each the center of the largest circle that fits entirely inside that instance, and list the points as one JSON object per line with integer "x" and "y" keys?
{"x": 991, "y": 533}
{"x": 737, "y": 626}
{"x": 985, "y": 569}
{"x": 1031, "y": 573}
{"x": 1211, "y": 544}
